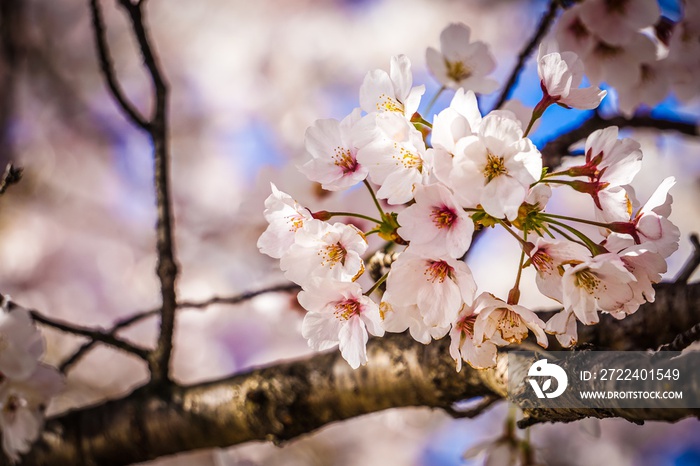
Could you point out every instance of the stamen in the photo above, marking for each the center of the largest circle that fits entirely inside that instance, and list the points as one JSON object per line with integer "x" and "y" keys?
{"x": 343, "y": 158}
{"x": 443, "y": 217}
{"x": 495, "y": 166}
{"x": 346, "y": 309}
{"x": 333, "y": 254}
{"x": 438, "y": 271}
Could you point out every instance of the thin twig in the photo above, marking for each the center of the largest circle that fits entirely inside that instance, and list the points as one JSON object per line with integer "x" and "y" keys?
{"x": 554, "y": 150}
{"x": 92, "y": 333}
{"x": 11, "y": 176}
{"x": 139, "y": 316}
{"x": 525, "y": 53}
{"x": 475, "y": 411}
{"x": 108, "y": 69}
{"x": 692, "y": 263}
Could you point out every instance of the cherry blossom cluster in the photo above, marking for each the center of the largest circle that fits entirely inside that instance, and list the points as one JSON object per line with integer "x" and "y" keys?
{"x": 442, "y": 180}
{"x": 26, "y": 385}
{"x": 629, "y": 45}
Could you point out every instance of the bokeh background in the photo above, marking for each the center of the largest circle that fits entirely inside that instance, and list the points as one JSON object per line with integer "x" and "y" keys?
{"x": 247, "y": 78}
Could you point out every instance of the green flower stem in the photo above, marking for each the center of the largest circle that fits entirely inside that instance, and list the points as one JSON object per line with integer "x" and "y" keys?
{"x": 522, "y": 242}
{"x": 579, "y": 220}
{"x": 351, "y": 214}
{"x": 374, "y": 198}
{"x": 434, "y": 99}
{"x": 514, "y": 293}
{"x": 593, "y": 247}
{"x": 565, "y": 235}
{"x": 381, "y": 280}
{"x": 371, "y": 232}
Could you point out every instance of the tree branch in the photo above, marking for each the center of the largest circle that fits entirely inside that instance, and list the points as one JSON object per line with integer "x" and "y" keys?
{"x": 138, "y": 317}
{"x": 107, "y": 68}
{"x": 554, "y": 150}
{"x": 525, "y": 53}
{"x": 289, "y": 399}
{"x": 692, "y": 263}
{"x": 11, "y": 176}
{"x": 157, "y": 128}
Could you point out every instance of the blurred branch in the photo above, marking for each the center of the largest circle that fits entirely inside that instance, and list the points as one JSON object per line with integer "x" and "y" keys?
{"x": 11, "y": 176}
{"x": 138, "y": 317}
{"x": 554, "y": 150}
{"x": 692, "y": 263}
{"x": 91, "y": 333}
{"x": 525, "y": 53}
{"x": 157, "y": 128}
{"x": 286, "y": 400}
{"x": 108, "y": 68}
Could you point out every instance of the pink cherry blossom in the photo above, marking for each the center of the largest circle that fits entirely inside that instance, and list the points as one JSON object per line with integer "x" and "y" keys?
{"x": 325, "y": 250}
{"x": 339, "y": 314}
{"x": 438, "y": 286}
{"x": 462, "y": 344}
{"x": 437, "y": 222}
{"x": 548, "y": 257}
{"x": 333, "y": 154}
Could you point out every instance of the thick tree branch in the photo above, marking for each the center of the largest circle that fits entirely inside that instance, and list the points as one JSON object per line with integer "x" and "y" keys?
{"x": 525, "y": 53}
{"x": 554, "y": 150}
{"x": 286, "y": 400}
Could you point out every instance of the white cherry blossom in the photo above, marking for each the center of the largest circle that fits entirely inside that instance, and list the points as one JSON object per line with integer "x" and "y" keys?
{"x": 461, "y": 63}
{"x": 561, "y": 75}
{"x": 617, "y": 21}
{"x": 460, "y": 119}
{"x": 339, "y": 314}
{"x": 504, "y": 323}
{"x": 22, "y": 405}
{"x": 394, "y": 152}
{"x": 653, "y": 229}
{"x": 285, "y": 216}
{"x": 397, "y": 319}
{"x": 549, "y": 258}
{"x": 462, "y": 344}
{"x": 325, "y": 250}
{"x": 599, "y": 283}
{"x": 619, "y": 65}
{"x": 21, "y": 343}
{"x": 438, "y": 286}
{"x": 393, "y": 91}
{"x": 573, "y": 34}
{"x": 436, "y": 222}
{"x": 563, "y": 326}
{"x": 493, "y": 168}
{"x": 333, "y": 154}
